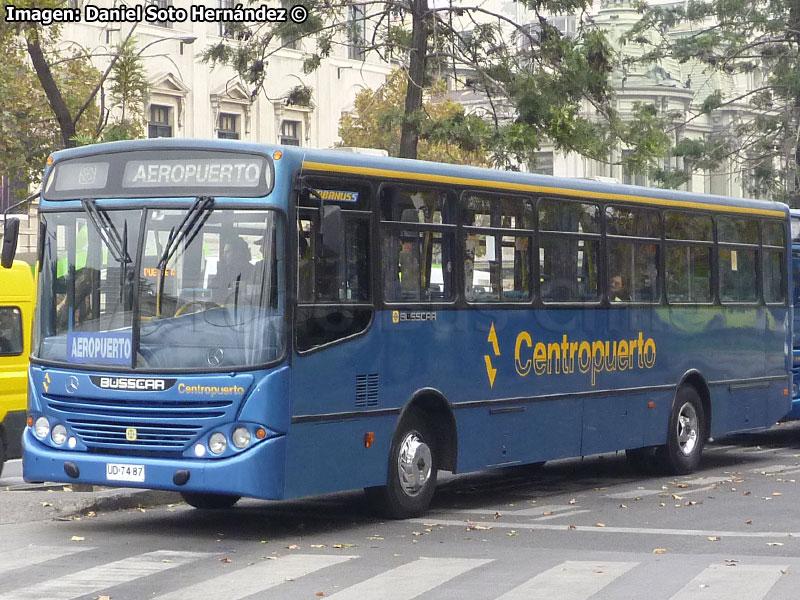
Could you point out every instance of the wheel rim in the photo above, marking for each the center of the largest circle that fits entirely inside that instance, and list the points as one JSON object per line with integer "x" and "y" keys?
{"x": 413, "y": 463}
{"x": 688, "y": 425}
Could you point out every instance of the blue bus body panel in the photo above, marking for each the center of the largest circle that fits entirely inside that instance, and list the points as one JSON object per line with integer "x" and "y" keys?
{"x": 526, "y": 418}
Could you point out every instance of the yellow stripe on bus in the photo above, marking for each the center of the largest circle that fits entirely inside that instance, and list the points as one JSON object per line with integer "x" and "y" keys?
{"x": 520, "y": 187}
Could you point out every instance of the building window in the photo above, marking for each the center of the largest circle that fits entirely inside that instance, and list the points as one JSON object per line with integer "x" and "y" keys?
{"x": 160, "y": 124}
{"x": 290, "y": 133}
{"x": 226, "y": 27}
{"x": 543, "y": 164}
{"x": 631, "y": 177}
{"x": 290, "y": 40}
{"x": 357, "y": 32}
{"x": 161, "y": 4}
{"x": 228, "y": 126}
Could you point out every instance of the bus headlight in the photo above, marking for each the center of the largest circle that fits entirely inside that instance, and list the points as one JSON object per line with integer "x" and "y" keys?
{"x": 240, "y": 437}
{"x": 217, "y": 443}
{"x": 59, "y": 434}
{"x": 41, "y": 427}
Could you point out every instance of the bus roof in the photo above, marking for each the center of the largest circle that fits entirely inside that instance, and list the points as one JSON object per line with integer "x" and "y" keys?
{"x": 417, "y": 171}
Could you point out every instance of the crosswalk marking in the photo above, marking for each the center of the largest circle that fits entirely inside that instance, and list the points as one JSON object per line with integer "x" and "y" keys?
{"x": 256, "y": 578}
{"x": 410, "y": 580}
{"x": 33, "y": 555}
{"x": 721, "y": 582}
{"x": 571, "y": 580}
{"x": 104, "y": 576}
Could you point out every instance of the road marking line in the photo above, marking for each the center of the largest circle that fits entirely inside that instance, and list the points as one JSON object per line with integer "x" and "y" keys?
{"x": 610, "y": 529}
{"x": 564, "y": 514}
{"x": 744, "y": 582}
{"x": 571, "y": 580}
{"x": 410, "y": 580}
{"x": 34, "y": 555}
{"x": 256, "y": 578}
{"x": 536, "y": 511}
{"x": 98, "y": 578}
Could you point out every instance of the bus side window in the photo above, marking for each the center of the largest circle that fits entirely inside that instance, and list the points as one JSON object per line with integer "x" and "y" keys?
{"x": 569, "y": 251}
{"x": 418, "y": 245}
{"x": 339, "y": 282}
{"x": 633, "y": 241}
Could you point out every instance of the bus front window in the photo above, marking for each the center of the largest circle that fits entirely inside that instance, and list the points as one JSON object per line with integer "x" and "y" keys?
{"x": 208, "y": 295}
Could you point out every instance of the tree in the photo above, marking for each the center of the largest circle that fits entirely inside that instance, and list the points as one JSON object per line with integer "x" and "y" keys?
{"x": 376, "y": 122}
{"x": 547, "y": 76}
{"x": 51, "y": 92}
{"x": 753, "y": 48}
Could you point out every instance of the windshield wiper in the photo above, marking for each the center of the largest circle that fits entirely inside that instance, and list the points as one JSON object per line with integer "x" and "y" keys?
{"x": 117, "y": 245}
{"x": 107, "y": 231}
{"x": 191, "y": 225}
{"x": 194, "y": 220}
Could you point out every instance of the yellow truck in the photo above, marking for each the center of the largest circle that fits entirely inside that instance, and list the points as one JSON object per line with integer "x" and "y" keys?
{"x": 17, "y": 298}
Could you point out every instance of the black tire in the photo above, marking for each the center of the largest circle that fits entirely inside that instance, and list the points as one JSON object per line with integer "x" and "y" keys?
{"x": 686, "y": 435}
{"x": 413, "y": 467}
{"x": 209, "y": 501}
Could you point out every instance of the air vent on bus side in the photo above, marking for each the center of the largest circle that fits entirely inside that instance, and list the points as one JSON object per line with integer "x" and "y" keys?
{"x": 366, "y": 390}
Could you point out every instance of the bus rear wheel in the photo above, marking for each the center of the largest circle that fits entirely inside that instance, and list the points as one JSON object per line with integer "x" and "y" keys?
{"x": 686, "y": 433}
{"x": 209, "y": 501}
{"x": 413, "y": 467}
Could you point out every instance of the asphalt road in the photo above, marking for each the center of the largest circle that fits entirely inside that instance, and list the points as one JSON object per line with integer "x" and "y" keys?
{"x": 575, "y": 529}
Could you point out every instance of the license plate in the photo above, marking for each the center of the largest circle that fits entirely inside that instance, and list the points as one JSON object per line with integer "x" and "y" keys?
{"x": 120, "y": 472}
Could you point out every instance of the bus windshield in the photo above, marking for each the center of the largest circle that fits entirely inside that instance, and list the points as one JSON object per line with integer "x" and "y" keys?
{"x": 208, "y": 293}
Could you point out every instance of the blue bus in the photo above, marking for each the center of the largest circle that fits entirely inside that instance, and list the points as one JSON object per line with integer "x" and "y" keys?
{"x": 795, "y": 220}
{"x": 228, "y": 319}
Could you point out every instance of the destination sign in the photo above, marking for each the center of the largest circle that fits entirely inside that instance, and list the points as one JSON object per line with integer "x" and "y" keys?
{"x": 193, "y": 173}
{"x": 160, "y": 173}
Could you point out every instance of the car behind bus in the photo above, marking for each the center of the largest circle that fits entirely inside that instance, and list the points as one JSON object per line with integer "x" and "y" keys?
{"x": 16, "y": 313}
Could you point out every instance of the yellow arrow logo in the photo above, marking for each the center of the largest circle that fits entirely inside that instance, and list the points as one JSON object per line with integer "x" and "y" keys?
{"x": 491, "y": 372}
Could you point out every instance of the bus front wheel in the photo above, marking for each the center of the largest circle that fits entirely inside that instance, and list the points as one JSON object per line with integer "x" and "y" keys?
{"x": 413, "y": 466}
{"x": 686, "y": 433}
{"x": 209, "y": 501}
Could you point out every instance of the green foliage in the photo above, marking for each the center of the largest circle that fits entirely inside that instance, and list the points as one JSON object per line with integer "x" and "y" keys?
{"x": 757, "y": 41}
{"x": 446, "y": 133}
{"x": 128, "y": 90}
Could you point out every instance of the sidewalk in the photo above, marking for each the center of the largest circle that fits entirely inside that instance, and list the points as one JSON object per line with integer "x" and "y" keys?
{"x": 41, "y": 502}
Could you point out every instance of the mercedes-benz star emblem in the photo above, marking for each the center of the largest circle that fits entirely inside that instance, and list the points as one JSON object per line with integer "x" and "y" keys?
{"x": 72, "y": 384}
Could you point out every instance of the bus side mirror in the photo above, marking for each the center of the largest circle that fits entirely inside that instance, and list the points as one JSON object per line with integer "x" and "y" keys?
{"x": 332, "y": 232}
{"x": 10, "y": 237}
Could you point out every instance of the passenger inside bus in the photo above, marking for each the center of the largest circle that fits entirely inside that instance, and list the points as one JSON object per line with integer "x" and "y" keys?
{"x": 233, "y": 270}
{"x": 616, "y": 289}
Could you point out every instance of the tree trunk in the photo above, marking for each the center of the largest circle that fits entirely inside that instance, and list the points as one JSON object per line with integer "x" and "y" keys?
{"x": 416, "y": 76}
{"x": 50, "y": 87}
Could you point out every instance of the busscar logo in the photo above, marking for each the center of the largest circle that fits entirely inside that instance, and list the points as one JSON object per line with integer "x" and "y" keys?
{"x": 140, "y": 384}
{"x": 412, "y": 316}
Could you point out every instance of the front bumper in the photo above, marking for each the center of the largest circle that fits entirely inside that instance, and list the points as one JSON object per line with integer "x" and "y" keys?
{"x": 257, "y": 473}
